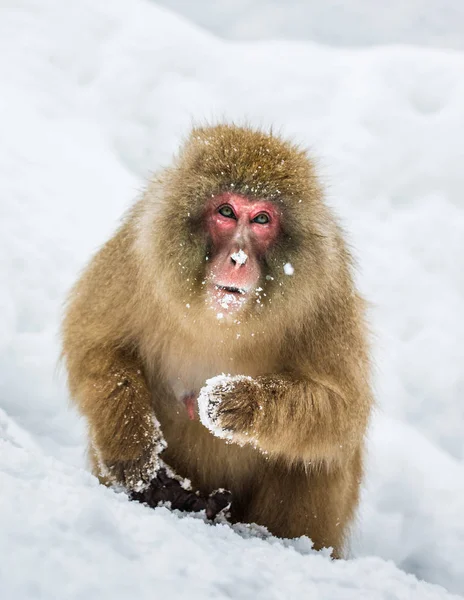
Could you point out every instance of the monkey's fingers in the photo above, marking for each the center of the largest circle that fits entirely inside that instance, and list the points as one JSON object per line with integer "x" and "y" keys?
{"x": 218, "y": 501}
{"x": 164, "y": 489}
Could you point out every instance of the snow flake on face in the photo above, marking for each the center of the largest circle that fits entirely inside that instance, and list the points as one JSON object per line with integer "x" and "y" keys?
{"x": 239, "y": 257}
{"x": 288, "y": 269}
{"x": 227, "y": 301}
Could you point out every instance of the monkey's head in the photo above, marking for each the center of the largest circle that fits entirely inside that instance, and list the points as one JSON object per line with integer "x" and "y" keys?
{"x": 240, "y": 222}
{"x": 240, "y": 233}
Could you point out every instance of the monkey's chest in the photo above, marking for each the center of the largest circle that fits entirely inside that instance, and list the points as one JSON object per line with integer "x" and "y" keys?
{"x": 187, "y": 380}
{"x": 193, "y": 451}
{"x": 190, "y": 372}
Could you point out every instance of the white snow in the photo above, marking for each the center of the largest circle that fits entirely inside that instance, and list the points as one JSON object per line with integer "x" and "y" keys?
{"x": 288, "y": 269}
{"x": 209, "y": 400}
{"x": 435, "y": 23}
{"x": 64, "y": 536}
{"x": 96, "y": 95}
{"x": 239, "y": 257}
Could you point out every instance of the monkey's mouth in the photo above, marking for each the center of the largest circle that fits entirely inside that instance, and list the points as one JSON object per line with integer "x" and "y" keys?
{"x": 230, "y": 289}
{"x": 227, "y": 299}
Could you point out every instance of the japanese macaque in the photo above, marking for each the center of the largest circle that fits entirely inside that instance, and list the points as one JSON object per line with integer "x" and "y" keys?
{"x": 219, "y": 334}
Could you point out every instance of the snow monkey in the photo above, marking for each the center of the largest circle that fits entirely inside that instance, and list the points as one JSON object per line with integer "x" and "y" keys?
{"x": 219, "y": 334}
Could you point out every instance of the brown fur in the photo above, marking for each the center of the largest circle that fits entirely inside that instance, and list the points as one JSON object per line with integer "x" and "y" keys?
{"x": 133, "y": 347}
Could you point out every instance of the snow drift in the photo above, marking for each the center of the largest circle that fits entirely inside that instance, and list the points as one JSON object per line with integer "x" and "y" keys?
{"x": 94, "y": 95}
{"x": 435, "y": 23}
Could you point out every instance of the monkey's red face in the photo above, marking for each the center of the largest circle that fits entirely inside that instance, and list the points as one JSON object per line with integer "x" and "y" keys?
{"x": 241, "y": 231}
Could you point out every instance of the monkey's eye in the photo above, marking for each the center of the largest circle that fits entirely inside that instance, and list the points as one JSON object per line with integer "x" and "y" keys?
{"x": 226, "y": 211}
{"x": 262, "y": 219}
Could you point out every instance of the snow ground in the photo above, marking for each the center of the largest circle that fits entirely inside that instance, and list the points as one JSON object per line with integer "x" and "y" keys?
{"x": 433, "y": 23}
{"x": 93, "y": 97}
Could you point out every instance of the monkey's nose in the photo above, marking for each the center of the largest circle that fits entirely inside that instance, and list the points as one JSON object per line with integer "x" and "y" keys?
{"x": 239, "y": 258}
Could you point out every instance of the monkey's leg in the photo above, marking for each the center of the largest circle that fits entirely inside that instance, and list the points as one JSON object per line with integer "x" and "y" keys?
{"x": 110, "y": 390}
{"x": 295, "y": 501}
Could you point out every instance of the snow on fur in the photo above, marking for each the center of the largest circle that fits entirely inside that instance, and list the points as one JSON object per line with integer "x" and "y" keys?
{"x": 209, "y": 401}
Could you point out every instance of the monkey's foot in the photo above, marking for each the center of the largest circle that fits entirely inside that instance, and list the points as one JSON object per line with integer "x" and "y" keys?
{"x": 228, "y": 408}
{"x": 168, "y": 488}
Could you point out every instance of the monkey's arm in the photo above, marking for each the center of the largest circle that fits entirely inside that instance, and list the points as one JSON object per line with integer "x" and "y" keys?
{"x": 111, "y": 392}
{"x": 301, "y": 419}
{"x": 105, "y": 373}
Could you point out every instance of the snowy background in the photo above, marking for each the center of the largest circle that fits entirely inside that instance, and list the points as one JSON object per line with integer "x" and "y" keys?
{"x": 93, "y": 96}
{"x": 435, "y": 23}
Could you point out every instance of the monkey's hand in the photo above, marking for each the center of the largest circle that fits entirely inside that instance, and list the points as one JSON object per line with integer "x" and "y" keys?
{"x": 168, "y": 487}
{"x": 135, "y": 475}
{"x": 229, "y": 408}
{"x": 126, "y": 437}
